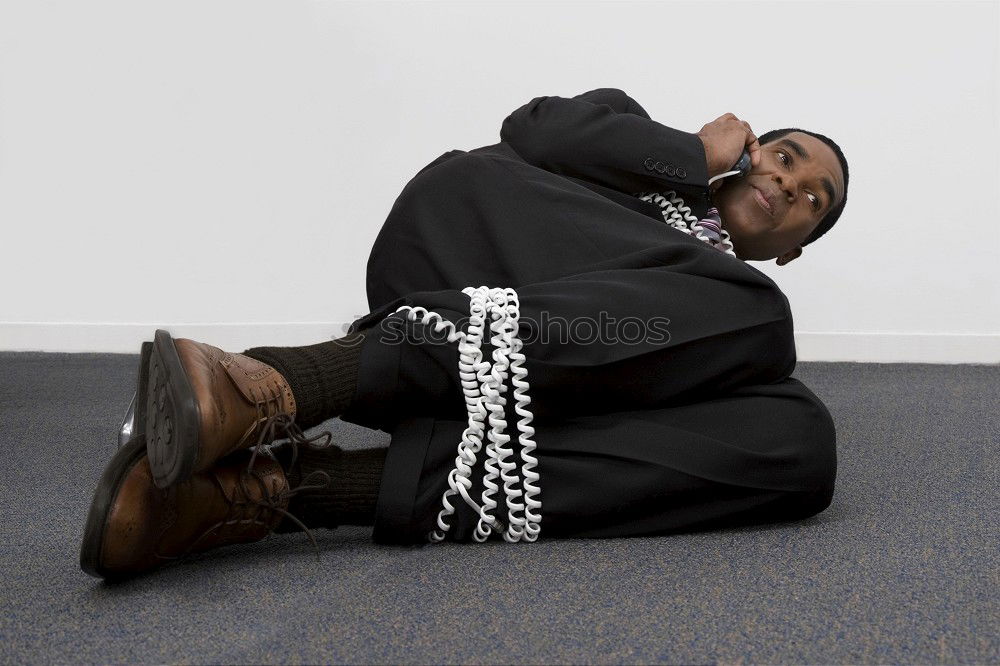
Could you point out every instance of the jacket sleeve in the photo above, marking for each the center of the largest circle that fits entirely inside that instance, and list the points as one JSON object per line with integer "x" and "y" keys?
{"x": 606, "y": 137}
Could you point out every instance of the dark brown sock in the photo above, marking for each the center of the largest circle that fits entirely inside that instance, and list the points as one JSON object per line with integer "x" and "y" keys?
{"x": 323, "y": 377}
{"x": 349, "y": 499}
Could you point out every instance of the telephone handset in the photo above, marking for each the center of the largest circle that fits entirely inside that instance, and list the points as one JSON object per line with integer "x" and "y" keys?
{"x": 740, "y": 169}
{"x": 742, "y": 166}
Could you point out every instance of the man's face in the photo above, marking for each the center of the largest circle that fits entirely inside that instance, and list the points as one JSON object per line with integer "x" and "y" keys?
{"x": 798, "y": 189}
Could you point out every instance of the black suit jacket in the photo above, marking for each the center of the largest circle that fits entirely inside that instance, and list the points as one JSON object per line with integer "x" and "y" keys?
{"x": 605, "y": 141}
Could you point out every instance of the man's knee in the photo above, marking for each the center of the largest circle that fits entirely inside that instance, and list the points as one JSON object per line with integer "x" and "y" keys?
{"x": 816, "y": 501}
{"x": 815, "y": 468}
{"x": 781, "y": 353}
{"x": 767, "y": 342}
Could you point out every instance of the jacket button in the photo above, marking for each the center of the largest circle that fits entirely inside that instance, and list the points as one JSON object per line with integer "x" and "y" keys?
{"x": 659, "y": 167}
{"x": 670, "y": 170}
{"x": 681, "y": 173}
{"x": 649, "y": 163}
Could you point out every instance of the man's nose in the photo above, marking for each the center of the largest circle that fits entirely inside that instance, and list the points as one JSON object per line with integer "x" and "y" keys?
{"x": 788, "y": 185}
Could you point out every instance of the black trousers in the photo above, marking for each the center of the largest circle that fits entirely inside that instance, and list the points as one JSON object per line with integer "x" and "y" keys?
{"x": 659, "y": 367}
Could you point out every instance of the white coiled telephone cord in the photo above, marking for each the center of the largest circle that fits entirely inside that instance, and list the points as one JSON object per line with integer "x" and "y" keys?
{"x": 677, "y": 214}
{"x": 483, "y": 383}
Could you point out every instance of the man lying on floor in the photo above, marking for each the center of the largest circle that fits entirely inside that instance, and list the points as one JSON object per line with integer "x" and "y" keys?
{"x": 672, "y": 408}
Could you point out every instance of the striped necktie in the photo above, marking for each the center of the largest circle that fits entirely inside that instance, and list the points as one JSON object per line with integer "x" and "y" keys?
{"x": 711, "y": 226}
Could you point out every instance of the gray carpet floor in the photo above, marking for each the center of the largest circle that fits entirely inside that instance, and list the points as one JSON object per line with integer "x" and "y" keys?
{"x": 902, "y": 568}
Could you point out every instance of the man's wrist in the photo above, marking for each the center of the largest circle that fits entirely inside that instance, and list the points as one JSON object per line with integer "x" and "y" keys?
{"x": 710, "y": 167}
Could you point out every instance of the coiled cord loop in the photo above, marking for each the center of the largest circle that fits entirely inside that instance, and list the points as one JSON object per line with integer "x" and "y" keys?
{"x": 484, "y": 384}
{"x": 678, "y": 215}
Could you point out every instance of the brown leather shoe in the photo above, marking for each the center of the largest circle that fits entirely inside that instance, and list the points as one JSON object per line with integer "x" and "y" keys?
{"x": 134, "y": 526}
{"x": 202, "y": 403}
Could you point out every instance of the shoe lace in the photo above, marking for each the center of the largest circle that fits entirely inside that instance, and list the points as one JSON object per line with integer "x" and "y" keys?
{"x": 243, "y": 509}
{"x": 268, "y": 404}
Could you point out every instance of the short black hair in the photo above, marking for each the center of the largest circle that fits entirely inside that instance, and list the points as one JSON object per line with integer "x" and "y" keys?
{"x": 830, "y": 218}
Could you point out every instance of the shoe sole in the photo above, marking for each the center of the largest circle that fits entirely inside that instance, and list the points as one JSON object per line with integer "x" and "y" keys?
{"x": 114, "y": 474}
{"x": 139, "y": 399}
{"x": 172, "y": 418}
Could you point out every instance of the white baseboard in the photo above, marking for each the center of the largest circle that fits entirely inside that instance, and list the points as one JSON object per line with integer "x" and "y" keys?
{"x": 898, "y": 347}
{"x": 810, "y": 346}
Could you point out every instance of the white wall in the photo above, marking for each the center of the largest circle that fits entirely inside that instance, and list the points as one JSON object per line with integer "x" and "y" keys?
{"x": 222, "y": 168}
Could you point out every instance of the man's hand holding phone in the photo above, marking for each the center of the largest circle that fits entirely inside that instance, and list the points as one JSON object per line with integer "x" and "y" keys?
{"x": 725, "y": 139}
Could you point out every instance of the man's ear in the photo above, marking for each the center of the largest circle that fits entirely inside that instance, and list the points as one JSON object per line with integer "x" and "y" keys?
{"x": 788, "y": 256}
